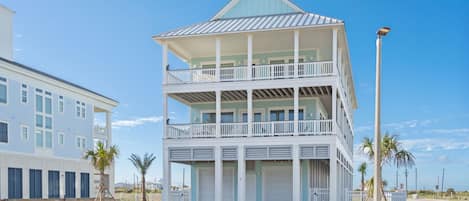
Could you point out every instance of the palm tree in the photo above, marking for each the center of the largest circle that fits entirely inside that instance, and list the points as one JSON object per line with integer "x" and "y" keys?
{"x": 142, "y": 165}
{"x": 362, "y": 170}
{"x": 392, "y": 152}
{"x": 102, "y": 158}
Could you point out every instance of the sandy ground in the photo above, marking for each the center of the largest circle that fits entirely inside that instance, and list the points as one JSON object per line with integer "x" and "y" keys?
{"x": 131, "y": 197}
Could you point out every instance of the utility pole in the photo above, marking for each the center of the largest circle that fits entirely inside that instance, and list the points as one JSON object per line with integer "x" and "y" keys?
{"x": 377, "y": 142}
{"x": 443, "y": 181}
{"x": 416, "y": 189}
{"x": 183, "y": 178}
{"x": 397, "y": 179}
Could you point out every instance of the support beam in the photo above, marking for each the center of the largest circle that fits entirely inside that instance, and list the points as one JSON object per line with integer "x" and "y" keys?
{"x": 3, "y": 180}
{"x": 250, "y": 112}
{"x": 296, "y": 51}
{"x": 334, "y": 109}
{"x": 217, "y": 58}
{"x": 218, "y": 174}
{"x": 241, "y": 174}
{"x": 165, "y": 114}
{"x": 165, "y": 62}
{"x": 166, "y": 174}
{"x": 25, "y": 182}
{"x": 218, "y": 112}
{"x": 296, "y": 179}
{"x": 296, "y": 100}
{"x": 249, "y": 74}
{"x": 334, "y": 51}
{"x": 333, "y": 174}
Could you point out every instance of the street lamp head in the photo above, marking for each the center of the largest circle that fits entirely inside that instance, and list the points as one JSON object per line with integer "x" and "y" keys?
{"x": 383, "y": 31}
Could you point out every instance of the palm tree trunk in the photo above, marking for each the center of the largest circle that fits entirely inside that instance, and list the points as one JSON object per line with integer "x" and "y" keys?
{"x": 144, "y": 193}
{"x": 363, "y": 186}
{"x": 101, "y": 185}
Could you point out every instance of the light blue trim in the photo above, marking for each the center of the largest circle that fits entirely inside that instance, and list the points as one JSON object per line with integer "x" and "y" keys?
{"x": 304, "y": 179}
{"x": 259, "y": 190}
{"x": 193, "y": 182}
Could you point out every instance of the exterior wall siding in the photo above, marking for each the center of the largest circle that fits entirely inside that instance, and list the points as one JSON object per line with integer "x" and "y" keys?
{"x": 18, "y": 114}
{"x": 309, "y": 105}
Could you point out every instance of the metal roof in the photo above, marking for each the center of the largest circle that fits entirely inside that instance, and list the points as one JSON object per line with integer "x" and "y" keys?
{"x": 257, "y": 23}
{"x": 54, "y": 77}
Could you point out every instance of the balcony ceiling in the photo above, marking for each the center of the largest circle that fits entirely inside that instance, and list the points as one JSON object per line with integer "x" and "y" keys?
{"x": 261, "y": 94}
{"x": 237, "y": 44}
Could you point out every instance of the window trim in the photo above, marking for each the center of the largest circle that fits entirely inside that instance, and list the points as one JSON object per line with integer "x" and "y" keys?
{"x": 61, "y": 134}
{"x": 80, "y": 139}
{"x": 44, "y": 94}
{"x": 26, "y": 89}
{"x": 6, "y": 85}
{"x": 27, "y": 132}
{"x": 81, "y": 106}
{"x": 8, "y": 132}
{"x": 60, "y": 99}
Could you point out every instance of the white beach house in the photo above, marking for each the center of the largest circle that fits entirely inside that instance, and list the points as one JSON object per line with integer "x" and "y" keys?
{"x": 271, "y": 98}
{"x": 46, "y": 125}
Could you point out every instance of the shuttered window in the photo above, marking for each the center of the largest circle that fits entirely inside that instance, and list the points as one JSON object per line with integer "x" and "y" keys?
{"x": 35, "y": 184}
{"x": 203, "y": 154}
{"x": 253, "y": 153}
{"x": 3, "y": 90}
{"x": 84, "y": 185}
{"x": 54, "y": 184}
{"x": 230, "y": 153}
{"x": 3, "y": 132}
{"x": 69, "y": 184}
{"x": 314, "y": 152}
{"x": 15, "y": 183}
{"x": 283, "y": 152}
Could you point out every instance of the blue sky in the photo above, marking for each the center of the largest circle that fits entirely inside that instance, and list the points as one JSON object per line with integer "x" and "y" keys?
{"x": 107, "y": 47}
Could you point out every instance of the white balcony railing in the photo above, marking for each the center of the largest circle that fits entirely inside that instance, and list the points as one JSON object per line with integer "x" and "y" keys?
{"x": 259, "y": 72}
{"x": 364, "y": 195}
{"x": 319, "y": 194}
{"x": 259, "y": 129}
{"x": 100, "y": 130}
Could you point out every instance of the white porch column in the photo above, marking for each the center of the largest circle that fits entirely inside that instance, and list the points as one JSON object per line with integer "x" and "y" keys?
{"x": 165, "y": 61}
{"x": 25, "y": 183}
{"x": 241, "y": 174}
{"x": 249, "y": 67}
{"x": 217, "y": 58}
{"x": 334, "y": 51}
{"x": 218, "y": 174}
{"x": 296, "y": 179}
{"x": 296, "y": 51}
{"x": 109, "y": 143}
{"x": 334, "y": 109}
{"x": 296, "y": 100}
{"x": 166, "y": 174}
{"x": 62, "y": 184}
{"x": 250, "y": 112}
{"x": 45, "y": 179}
{"x": 77, "y": 183}
{"x": 333, "y": 174}
{"x": 165, "y": 115}
{"x": 3, "y": 179}
{"x": 218, "y": 113}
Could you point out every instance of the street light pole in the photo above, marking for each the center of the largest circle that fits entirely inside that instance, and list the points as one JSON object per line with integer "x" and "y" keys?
{"x": 377, "y": 155}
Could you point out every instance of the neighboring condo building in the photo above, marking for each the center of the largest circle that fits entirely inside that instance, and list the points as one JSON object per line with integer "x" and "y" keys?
{"x": 46, "y": 125}
{"x": 270, "y": 96}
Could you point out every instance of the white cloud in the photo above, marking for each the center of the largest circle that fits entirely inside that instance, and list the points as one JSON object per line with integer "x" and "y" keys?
{"x": 450, "y": 131}
{"x": 431, "y": 144}
{"x": 137, "y": 121}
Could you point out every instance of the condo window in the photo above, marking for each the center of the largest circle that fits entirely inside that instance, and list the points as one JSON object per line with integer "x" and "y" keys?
{"x": 291, "y": 115}
{"x": 24, "y": 93}
{"x": 24, "y": 132}
{"x": 80, "y": 109}
{"x": 3, "y": 90}
{"x": 61, "y": 104}
{"x": 4, "y": 132}
{"x": 81, "y": 142}
{"x": 43, "y": 130}
{"x": 61, "y": 138}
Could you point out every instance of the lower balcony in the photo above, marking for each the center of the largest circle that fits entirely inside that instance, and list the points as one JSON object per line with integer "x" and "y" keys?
{"x": 258, "y": 129}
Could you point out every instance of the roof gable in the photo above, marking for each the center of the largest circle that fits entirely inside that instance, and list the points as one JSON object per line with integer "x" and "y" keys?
{"x": 249, "y": 8}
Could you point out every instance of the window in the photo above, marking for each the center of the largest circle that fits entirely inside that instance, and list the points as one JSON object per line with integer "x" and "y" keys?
{"x": 24, "y": 132}
{"x": 257, "y": 117}
{"x": 3, "y": 132}
{"x": 61, "y": 138}
{"x": 277, "y": 115}
{"x": 291, "y": 115}
{"x": 208, "y": 117}
{"x": 24, "y": 93}
{"x": 3, "y": 90}
{"x": 61, "y": 104}
{"x": 81, "y": 109}
{"x": 81, "y": 142}
{"x": 44, "y": 119}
